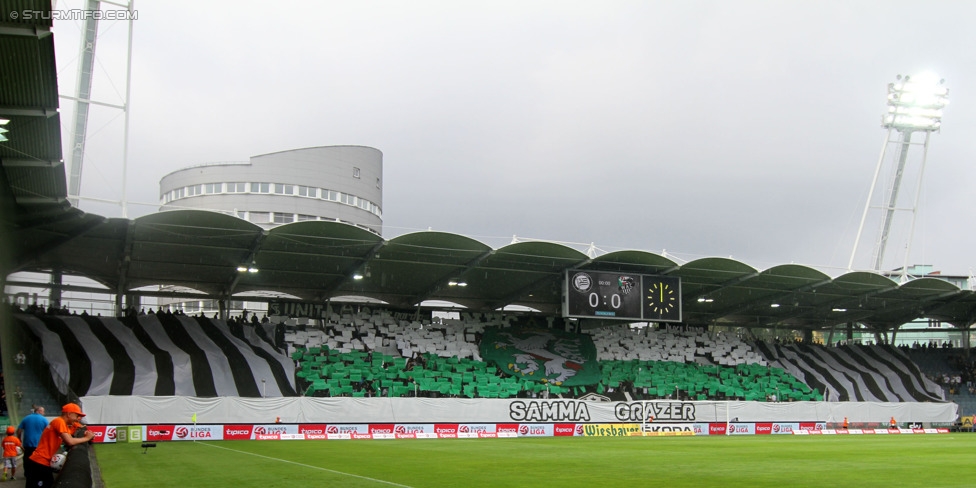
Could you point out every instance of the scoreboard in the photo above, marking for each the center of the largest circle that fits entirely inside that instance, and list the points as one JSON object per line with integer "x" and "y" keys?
{"x": 622, "y": 296}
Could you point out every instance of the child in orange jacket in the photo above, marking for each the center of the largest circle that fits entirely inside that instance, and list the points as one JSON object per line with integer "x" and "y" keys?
{"x": 10, "y": 445}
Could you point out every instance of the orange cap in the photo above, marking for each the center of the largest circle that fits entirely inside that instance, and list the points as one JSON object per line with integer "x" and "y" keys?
{"x": 11, "y": 430}
{"x": 72, "y": 408}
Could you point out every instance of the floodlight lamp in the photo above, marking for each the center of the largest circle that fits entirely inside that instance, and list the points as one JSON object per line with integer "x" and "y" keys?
{"x": 916, "y": 111}
{"x": 774, "y": 305}
{"x": 839, "y": 310}
{"x": 242, "y": 269}
{"x": 357, "y": 276}
{"x": 3, "y": 131}
{"x": 908, "y": 122}
{"x": 916, "y": 103}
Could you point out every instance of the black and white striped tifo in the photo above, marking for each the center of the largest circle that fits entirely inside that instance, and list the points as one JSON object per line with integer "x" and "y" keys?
{"x": 160, "y": 355}
{"x": 855, "y": 373}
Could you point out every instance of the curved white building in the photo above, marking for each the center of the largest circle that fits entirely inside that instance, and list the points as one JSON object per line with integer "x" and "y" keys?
{"x": 338, "y": 183}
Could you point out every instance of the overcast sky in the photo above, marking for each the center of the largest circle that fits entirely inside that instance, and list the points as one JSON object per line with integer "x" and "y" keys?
{"x": 738, "y": 129}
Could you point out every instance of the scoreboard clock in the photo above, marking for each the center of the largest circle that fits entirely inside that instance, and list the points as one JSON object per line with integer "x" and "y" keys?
{"x": 622, "y": 296}
{"x": 662, "y": 299}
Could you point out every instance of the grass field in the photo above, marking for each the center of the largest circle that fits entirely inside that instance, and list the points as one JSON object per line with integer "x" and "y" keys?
{"x": 753, "y": 461}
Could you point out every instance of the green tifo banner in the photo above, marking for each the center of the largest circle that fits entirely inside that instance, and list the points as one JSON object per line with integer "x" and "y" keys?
{"x": 544, "y": 355}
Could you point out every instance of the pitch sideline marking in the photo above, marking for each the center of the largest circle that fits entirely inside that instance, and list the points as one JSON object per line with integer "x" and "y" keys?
{"x": 306, "y": 465}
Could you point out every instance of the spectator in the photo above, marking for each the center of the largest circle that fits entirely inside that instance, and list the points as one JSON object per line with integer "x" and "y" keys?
{"x": 19, "y": 396}
{"x": 10, "y": 445}
{"x": 60, "y": 430}
{"x": 20, "y": 358}
{"x": 29, "y": 432}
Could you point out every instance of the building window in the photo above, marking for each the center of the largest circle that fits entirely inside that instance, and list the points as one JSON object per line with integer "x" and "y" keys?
{"x": 307, "y": 191}
{"x": 283, "y": 189}
{"x": 347, "y": 199}
{"x": 237, "y": 187}
{"x": 283, "y": 218}
{"x": 304, "y": 218}
{"x": 355, "y": 172}
{"x": 378, "y": 183}
{"x": 332, "y": 196}
{"x": 242, "y": 214}
{"x": 259, "y": 217}
{"x": 260, "y": 187}
{"x": 211, "y": 188}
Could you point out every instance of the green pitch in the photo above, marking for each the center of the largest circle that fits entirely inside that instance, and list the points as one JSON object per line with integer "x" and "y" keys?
{"x": 747, "y": 461}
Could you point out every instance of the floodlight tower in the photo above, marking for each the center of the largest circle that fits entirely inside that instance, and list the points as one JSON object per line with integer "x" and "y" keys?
{"x": 915, "y": 104}
{"x": 83, "y": 100}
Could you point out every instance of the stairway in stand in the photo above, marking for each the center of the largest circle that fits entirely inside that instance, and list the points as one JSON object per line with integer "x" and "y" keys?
{"x": 33, "y": 393}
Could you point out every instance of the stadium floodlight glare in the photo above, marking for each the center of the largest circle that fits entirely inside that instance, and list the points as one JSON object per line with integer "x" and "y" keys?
{"x": 3, "y": 131}
{"x": 915, "y": 103}
{"x": 914, "y": 108}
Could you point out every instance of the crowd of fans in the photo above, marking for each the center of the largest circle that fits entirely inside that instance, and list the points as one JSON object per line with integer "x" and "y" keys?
{"x": 964, "y": 377}
{"x": 35, "y": 309}
{"x": 932, "y": 344}
{"x": 960, "y": 380}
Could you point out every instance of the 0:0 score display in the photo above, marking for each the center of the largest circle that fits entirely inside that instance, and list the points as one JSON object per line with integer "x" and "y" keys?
{"x": 622, "y": 296}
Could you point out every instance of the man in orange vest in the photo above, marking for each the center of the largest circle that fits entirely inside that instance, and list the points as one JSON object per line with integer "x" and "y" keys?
{"x": 892, "y": 424}
{"x": 37, "y": 468}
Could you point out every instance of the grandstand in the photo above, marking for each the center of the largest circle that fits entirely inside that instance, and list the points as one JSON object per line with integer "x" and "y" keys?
{"x": 373, "y": 354}
{"x": 396, "y": 365}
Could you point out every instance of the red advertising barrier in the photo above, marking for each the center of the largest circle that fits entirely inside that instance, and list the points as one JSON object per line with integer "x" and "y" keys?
{"x": 237, "y": 432}
{"x": 187, "y": 432}
{"x": 313, "y": 431}
{"x": 103, "y": 433}
{"x": 565, "y": 430}
{"x": 446, "y": 431}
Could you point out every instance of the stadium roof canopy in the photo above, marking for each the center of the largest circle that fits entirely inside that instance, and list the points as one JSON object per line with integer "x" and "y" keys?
{"x": 316, "y": 261}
